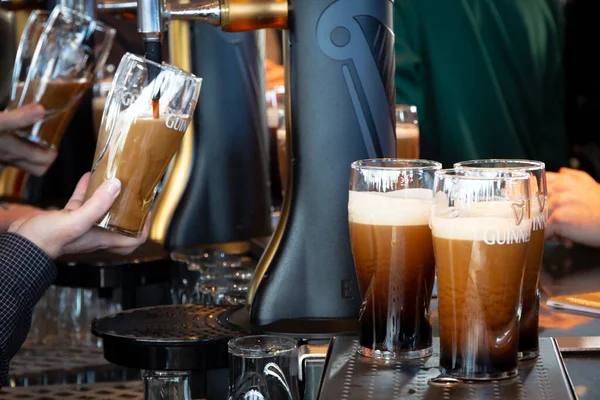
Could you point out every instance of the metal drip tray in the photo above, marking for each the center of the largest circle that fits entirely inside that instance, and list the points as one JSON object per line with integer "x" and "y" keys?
{"x": 100, "y": 391}
{"x": 350, "y": 376}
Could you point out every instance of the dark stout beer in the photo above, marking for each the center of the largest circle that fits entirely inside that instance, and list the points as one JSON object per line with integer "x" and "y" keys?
{"x": 528, "y": 326}
{"x": 393, "y": 253}
{"x": 138, "y": 156}
{"x": 480, "y": 264}
{"x": 60, "y": 98}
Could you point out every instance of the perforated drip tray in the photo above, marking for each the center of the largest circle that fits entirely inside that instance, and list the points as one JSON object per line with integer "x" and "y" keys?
{"x": 349, "y": 376}
{"x": 133, "y": 390}
{"x": 181, "y": 337}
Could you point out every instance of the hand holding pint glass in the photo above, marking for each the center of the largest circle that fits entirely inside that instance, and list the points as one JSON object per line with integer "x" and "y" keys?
{"x": 481, "y": 225}
{"x": 529, "y": 324}
{"x": 388, "y": 211}
{"x": 147, "y": 113}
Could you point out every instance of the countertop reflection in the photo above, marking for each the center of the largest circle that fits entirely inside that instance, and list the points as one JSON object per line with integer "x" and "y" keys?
{"x": 567, "y": 271}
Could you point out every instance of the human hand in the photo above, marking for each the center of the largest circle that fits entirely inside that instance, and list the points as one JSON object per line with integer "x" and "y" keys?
{"x": 274, "y": 74}
{"x": 13, "y": 212}
{"x": 20, "y": 153}
{"x": 72, "y": 230}
{"x": 573, "y": 207}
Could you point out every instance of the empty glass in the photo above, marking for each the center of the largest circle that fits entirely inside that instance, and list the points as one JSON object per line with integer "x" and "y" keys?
{"x": 64, "y": 315}
{"x": 223, "y": 291}
{"x": 70, "y": 49}
{"x": 210, "y": 277}
{"x": 166, "y": 385}
{"x": 263, "y": 367}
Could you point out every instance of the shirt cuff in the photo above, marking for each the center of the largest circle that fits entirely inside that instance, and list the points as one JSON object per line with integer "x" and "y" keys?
{"x": 25, "y": 274}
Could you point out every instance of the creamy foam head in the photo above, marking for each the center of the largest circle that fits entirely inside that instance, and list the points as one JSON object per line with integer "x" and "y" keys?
{"x": 408, "y": 207}
{"x": 492, "y": 222}
{"x": 490, "y": 230}
{"x": 407, "y": 131}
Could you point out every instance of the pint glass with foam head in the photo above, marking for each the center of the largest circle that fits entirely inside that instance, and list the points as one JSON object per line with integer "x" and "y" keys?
{"x": 481, "y": 225}
{"x": 530, "y": 297}
{"x": 388, "y": 211}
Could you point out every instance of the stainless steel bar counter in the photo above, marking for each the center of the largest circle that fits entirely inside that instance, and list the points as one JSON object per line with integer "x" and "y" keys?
{"x": 566, "y": 271}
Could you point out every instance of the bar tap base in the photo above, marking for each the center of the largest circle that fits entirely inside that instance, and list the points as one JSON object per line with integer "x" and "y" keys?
{"x": 301, "y": 328}
{"x": 349, "y": 376}
{"x": 166, "y": 338}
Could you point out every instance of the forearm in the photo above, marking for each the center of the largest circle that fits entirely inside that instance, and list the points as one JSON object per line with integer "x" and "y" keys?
{"x": 25, "y": 273}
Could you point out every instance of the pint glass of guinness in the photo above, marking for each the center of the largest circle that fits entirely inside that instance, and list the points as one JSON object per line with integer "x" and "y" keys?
{"x": 68, "y": 49}
{"x": 530, "y": 297}
{"x": 481, "y": 225}
{"x": 147, "y": 112}
{"x": 407, "y": 132}
{"x": 388, "y": 212}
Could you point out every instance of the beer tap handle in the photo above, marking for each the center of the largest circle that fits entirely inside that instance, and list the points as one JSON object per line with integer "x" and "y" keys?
{"x": 230, "y": 15}
{"x": 203, "y": 11}
{"x": 151, "y": 20}
{"x": 116, "y": 6}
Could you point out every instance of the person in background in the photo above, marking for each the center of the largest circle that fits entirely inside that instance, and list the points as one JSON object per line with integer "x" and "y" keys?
{"x": 36, "y": 237}
{"x": 573, "y": 207}
{"x": 582, "y": 83}
{"x": 21, "y": 154}
{"x": 486, "y": 77}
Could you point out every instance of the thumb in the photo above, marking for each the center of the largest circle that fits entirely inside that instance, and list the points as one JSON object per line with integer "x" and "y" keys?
{"x": 21, "y": 117}
{"x": 97, "y": 205}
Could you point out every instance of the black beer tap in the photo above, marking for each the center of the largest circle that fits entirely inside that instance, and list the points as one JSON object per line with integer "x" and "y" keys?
{"x": 339, "y": 108}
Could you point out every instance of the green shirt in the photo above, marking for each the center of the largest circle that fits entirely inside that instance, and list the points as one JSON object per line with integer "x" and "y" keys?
{"x": 486, "y": 77}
